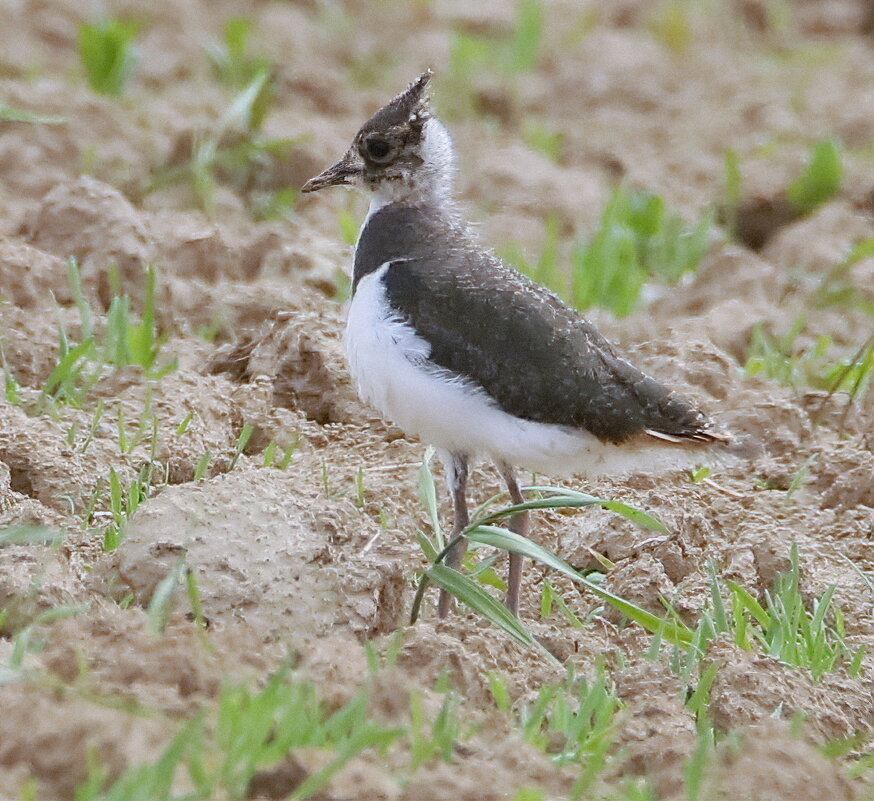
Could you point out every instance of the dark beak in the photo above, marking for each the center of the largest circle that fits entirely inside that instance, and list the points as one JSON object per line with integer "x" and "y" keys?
{"x": 342, "y": 173}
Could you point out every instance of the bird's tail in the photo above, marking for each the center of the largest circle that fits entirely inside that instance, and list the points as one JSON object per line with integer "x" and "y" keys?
{"x": 706, "y": 434}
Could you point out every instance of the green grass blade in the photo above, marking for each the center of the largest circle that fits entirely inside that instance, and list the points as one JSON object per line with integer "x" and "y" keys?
{"x": 142, "y": 339}
{"x": 525, "y": 45}
{"x": 242, "y": 442}
{"x": 30, "y": 534}
{"x": 66, "y": 367}
{"x": 698, "y": 702}
{"x": 509, "y": 541}
{"x": 349, "y": 226}
{"x": 564, "y": 491}
{"x": 500, "y": 693}
{"x": 75, "y": 279}
{"x": 428, "y": 496}
{"x": 732, "y": 183}
{"x": 11, "y": 114}
{"x": 107, "y": 53}
{"x": 427, "y": 547}
{"x": 117, "y": 322}
{"x": 243, "y": 112}
{"x": 567, "y": 498}
{"x": 202, "y": 465}
{"x": 817, "y": 624}
{"x": 546, "y": 600}
{"x": 161, "y": 604}
{"x": 555, "y": 502}
{"x": 720, "y": 619}
{"x": 474, "y": 596}
{"x": 636, "y": 516}
{"x": 820, "y": 180}
{"x": 194, "y": 597}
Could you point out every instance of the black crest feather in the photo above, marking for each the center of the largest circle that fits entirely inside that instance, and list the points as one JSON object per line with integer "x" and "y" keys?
{"x": 410, "y": 107}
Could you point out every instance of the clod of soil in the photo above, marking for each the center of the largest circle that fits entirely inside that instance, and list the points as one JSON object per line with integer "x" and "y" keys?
{"x": 263, "y": 554}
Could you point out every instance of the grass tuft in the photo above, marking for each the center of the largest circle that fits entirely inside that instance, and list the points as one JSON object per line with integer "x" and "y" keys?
{"x": 806, "y": 634}
{"x": 638, "y": 240}
{"x": 481, "y": 531}
{"x": 220, "y": 755}
{"x": 231, "y": 58}
{"x": 75, "y": 374}
{"x": 123, "y": 503}
{"x": 235, "y": 152}
{"x": 123, "y": 342}
{"x": 505, "y": 57}
{"x": 812, "y": 637}
{"x": 835, "y": 288}
{"x": 784, "y": 360}
{"x": 573, "y": 721}
{"x": 130, "y": 343}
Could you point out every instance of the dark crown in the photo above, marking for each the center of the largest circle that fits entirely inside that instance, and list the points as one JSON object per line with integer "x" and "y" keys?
{"x": 409, "y": 108}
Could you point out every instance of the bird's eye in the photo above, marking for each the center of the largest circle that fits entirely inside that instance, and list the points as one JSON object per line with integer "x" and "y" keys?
{"x": 378, "y": 149}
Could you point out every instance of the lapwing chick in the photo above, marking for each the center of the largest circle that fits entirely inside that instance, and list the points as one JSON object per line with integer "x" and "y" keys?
{"x": 461, "y": 350}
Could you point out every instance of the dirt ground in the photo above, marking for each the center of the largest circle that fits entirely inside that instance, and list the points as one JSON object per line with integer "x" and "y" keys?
{"x": 319, "y": 557}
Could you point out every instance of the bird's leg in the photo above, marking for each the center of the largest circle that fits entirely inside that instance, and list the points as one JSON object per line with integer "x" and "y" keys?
{"x": 519, "y": 525}
{"x": 456, "y": 475}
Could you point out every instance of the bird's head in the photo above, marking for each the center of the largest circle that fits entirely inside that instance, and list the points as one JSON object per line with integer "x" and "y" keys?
{"x": 402, "y": 151}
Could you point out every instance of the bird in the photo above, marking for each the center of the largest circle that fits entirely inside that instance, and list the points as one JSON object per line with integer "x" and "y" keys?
{"x": 461, "y": 350}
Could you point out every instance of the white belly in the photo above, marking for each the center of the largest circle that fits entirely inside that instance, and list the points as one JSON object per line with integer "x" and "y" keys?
{"x": 389, "y": 363}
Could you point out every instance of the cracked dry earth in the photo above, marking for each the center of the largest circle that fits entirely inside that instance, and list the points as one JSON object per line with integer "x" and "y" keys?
{"x": 298, "y": 560}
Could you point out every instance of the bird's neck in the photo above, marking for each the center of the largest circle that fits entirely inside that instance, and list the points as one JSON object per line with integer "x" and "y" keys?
{"x": 436, "y": 192}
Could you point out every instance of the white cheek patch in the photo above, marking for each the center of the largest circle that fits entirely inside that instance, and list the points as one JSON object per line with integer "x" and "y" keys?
{"x": 433, "y": 178}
